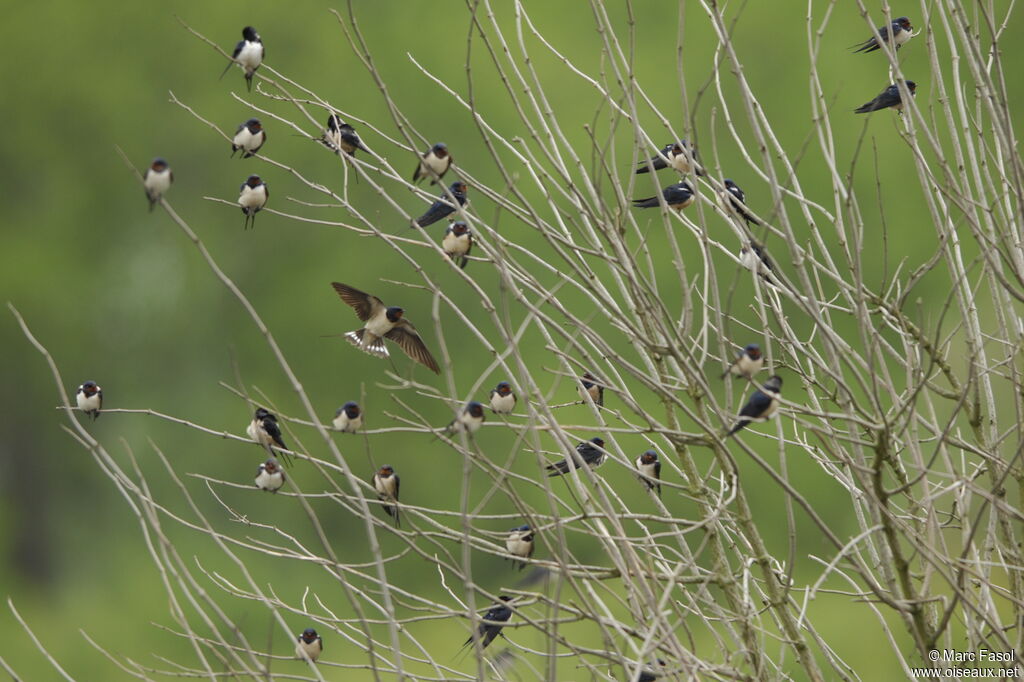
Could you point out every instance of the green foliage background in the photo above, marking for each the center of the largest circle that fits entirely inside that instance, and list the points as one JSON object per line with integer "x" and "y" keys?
{"x": 120, "y": 296}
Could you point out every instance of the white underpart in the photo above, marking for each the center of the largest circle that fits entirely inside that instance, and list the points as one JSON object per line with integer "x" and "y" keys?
{"x": 268, "y": 481}
{"x": 467, "y": 422}
{"x": 313, "y": 649}
{"x": 385, "y": 486}
{"x": 251, "y": 56}
{"x": 455, "y": 245}
{"x": 88, "y": 403}
{"x": 681, "y": 163}
{"x": 434, "y": 163}
{"x": 246, "y": 140}
{"x": 503, "y": 404}
{"x": 746, "y": 366}
{"x": 515, "y": 544}
{"x": 158, "y": 182}
{"x": 902, "y": 37}
{"x": 252, "y": 199}
{"x": 346, "y": 425}
{"x": 646, "y": 469}
{"x": 256, "y": 432}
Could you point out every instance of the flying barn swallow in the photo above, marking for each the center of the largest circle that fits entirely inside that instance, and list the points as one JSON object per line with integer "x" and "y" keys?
{"x": 470, "y": 419}
{"x": 761, "y": 405}
{"x": 589, "y": 452}
{"x": 494, "y": 621}
{"x": 249, "y": 137}
{"x": 890, "y": 97}
{"x": 901, "y": 32}
{"x": 385, "y": 482}
{"x": 310, "y": 645}
{"x": 252, "y": 197}
{"x": 677, "y": 196}
{"x": 678, "y": 155}
{"x": 734, "y": 201}
{"x": 340, "y": 136}
{"x": 264, "y": 430}
{"x": 590, "y": 386}
{"x": 157, "y": 180}
{"x": 649, "y": 467}
{"x": 436, "y": 159}
{"x": 458, "y": 242}
{"x": 748, "y": 363}
{"x": 382, "y": 323}
{"x": 519, "y": 542}
{"x": 348, "y": 418}
{"x": 89, "y": 397}
{"x": 441, "y": 208}
{"x": 249, "y": 53}
{"x": 270, "y": 476}
{"x": 503, "y": 400}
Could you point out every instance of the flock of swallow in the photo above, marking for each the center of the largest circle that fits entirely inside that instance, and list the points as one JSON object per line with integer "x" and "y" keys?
{"x": 388, "y": 322}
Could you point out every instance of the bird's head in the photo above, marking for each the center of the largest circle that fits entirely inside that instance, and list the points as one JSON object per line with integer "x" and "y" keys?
{"x": 254, "y": 125}
{"x": 503, "y": 388}
{"x": 309, "y": 635}
{"x": 395, "y": 313}
{"x": 253, "y": 181}
{"x": 250, "y": 34}
{"x": 89, "y": 388}
{"x": 475, "y": 409}
{"x": 440, "y": 150}
{"x": 158, "y": 165}
{"x": 649, "y": 457}
{"x": 753, "y": 351}
{"x": 386, "y": 471}
{"x": 270, "y": 466}
{"x": 350, "y": 408}
{"x": 459, "y": 228}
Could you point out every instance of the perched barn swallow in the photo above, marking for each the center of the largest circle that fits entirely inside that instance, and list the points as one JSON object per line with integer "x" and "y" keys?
{"x": 442, "y": 208}
{"x": 270, "y": 476}
{"x": 385, "y": 482}
{"x": 264, "y": 430}
{"x": 494, "y": 621}
{"x": 252, "y": 197}
{"x": 157, "y": 180}
{"x": 678, "y": 155}
{"x": 503, "y": 400}
{"x": 435, "y": 159}
{"x": 649, "y": 467}
{"x": 754, "y": 258}
{"x": 382, "y": 323}
{"x": 310, "y": 645}
{"x": 249, "y": 137}
{"x": 761, "y": 405}
{"x": 249, "y": 53}
{"x": 734, "y": 201}
{"x": 590, "y": 385}
{"x": 890, "y": 97}
{"x": 677, "y": 196}
{"x": 520, "y": 543}
{"x": 748, "y": 363}
{"x": 589, "y": 452}
{"x": 458, "y": 242}
{"x": 469, "y": 420}
{"x": 348, "y": 418}
{"x": 649, "y": 673}
{"x": 341, "y": 137}
{"x": 89, "y": 397}
{"x": 900, "y": 29}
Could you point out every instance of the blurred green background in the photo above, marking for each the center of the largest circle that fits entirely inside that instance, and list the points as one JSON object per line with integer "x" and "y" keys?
{"x": 119, "y": 295}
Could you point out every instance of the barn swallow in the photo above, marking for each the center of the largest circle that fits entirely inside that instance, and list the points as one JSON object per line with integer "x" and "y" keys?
{"x": 590, "y": 385}
{"x": 89, "y": 397}
{"x": 270, "y": 476}
{"x": 748, "y": 363}
{"x": 435, "y": 159}
{"x": 340, "y": 136}
{"x": 520, "y": 543}
{"x": 157, "y": 180}
{"x": 469, "y": 420}
{"x": 252, "y": 197}
{"x": 503, "y": 400}
{"x": 649, "y": 467}
{"x": 890, "y": 97}
{"x": 734, "y": 201}
{"x": 901, "y": 30}
{"x": 442, "y": 208}
{"x": 249, "y": 53}
{"x": 249, "y": 137}
{"x": 458, "y": 242}
{"x": 754, "y": 258}
{"x": 348, "y": 418}
{"x": 589, "y": 452}
{"x": 494, "y": 619}
{"x": 264, "y": 430}
{"x": 385, "y": 482}
{"x": 310, "y": 645}
{"x": 677, "y": 196}
{"x": 382, "y": 323}
{"x": 679, "y": 155}
{"x": 761, "y": 405}
{"x": 649, "y": 673}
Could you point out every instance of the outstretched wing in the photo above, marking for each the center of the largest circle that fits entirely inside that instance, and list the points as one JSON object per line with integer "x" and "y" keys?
{"x": 362, "y": 302}
{"x": 408, "y": 339}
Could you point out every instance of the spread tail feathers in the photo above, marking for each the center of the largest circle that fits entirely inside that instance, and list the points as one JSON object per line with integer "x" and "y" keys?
{"x": 374, "y": 345}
